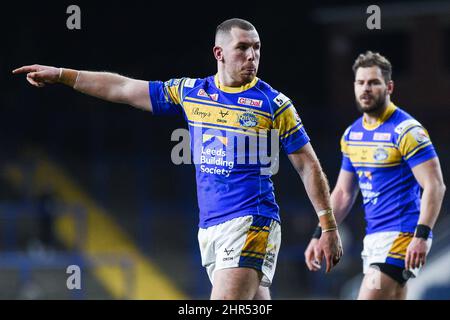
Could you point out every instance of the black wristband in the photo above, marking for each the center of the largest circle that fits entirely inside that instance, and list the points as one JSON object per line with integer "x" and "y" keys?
{"x": 422, "y": 231}
{"x": 317, "y": 233}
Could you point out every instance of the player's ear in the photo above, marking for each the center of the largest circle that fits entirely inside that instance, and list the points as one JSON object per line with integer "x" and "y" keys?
{"x": 218, "y": 53}
{"x": 390, "y": 86}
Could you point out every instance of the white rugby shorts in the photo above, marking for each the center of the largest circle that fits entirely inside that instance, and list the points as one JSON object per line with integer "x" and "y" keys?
{"x": 248, "y": 241}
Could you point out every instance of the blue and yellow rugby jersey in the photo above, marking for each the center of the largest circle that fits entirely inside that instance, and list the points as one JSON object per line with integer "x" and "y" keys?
{"x": 229, "y": 179}
{"x": 382, "y": 155}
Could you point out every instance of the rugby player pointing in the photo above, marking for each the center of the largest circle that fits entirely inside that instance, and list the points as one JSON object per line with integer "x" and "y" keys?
{"x": 239, "y": 230}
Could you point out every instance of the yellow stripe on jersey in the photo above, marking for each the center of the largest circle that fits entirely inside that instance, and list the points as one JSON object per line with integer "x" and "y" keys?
{"x": 280, "y": 109}
{"x": 413, "y": 152}
{"x": 401, "y": 243}
{"x": 380, "y": 155}
{"x": 222, "y": 116}
{"x": 287, "y": 121}
{"x": 173, "y": 93}
{"x": 412, "y": 141}
{"x": 370, "y": 143}
{"x": 289, "y": 133}
{"x": 226, "y": 106}
{"x": 376, "y": 165}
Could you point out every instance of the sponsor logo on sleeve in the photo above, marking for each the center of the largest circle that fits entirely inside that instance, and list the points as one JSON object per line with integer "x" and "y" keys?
{"x": 189, "y": 83}
{"x": 280, "y": 99}
{"x": 172, "y": 83}
{"x": 405, "y": 125}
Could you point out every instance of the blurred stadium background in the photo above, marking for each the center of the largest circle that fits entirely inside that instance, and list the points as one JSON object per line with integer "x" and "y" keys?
{"x": 89, "y": 183}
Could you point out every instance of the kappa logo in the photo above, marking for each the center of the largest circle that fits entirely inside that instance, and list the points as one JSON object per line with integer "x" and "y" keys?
{"x": 250, "y": 102}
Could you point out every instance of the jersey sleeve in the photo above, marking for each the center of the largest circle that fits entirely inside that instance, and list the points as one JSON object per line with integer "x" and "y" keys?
{"x": 290, "y": 128}
{"x": 415, "y": 145}
{"x": 166, "y": 96}
{"x": 346, "y": 163}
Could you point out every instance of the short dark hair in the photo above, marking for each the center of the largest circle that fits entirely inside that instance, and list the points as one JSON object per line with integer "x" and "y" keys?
{"x": 370, "y": 59}
{"x": 227, "y": 25}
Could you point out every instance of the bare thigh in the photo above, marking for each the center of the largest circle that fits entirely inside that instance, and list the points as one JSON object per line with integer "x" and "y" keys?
{"x": 235, "y": 284}
{"x": 378, "y": 286}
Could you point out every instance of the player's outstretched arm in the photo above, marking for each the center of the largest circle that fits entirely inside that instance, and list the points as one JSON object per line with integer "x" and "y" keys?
{"x": 308, "y": 167}
{"x": 104, "y": 85}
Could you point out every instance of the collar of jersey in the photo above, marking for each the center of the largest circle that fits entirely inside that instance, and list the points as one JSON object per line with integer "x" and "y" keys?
{"x": 386, "y": 114}
{"x": 234, "y": 89}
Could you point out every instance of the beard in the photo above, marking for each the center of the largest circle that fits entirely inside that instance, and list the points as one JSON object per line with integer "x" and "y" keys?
{"x": 376, "y": 105}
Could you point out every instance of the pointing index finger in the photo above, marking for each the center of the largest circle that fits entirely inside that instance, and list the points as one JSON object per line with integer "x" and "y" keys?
{"x": 24, "y": 69}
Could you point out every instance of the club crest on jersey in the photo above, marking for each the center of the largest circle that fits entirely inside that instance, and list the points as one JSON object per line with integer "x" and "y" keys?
{"x": 250, "y": 102}
{"x": 380, "y": 154}
{"x": 248, "y": 119}
{"x": 419, "y": 135}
